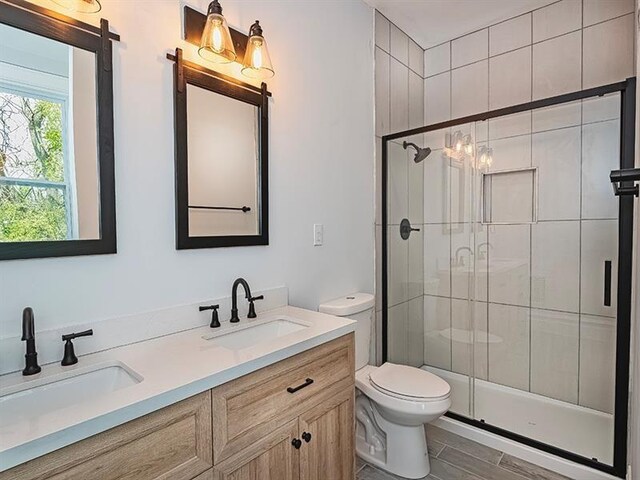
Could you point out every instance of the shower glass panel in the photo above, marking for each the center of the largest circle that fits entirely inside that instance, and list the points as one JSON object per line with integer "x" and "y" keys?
{"x": 505, "y": 282}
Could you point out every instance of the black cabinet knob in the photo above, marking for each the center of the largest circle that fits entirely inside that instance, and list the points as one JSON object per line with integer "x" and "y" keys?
{"x": 306, "y": 436}
{"x": 297, "y": 443}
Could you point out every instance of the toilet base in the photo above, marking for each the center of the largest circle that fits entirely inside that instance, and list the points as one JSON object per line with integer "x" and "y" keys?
{"x": 397, "y": 449}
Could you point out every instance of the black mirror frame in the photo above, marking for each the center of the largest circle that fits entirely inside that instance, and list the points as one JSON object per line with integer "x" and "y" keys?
{"x": 50, "y": 24}
{"x": 186, "y": 72}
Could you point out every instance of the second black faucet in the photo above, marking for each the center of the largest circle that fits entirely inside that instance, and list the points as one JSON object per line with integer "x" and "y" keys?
{"x": 250, "y": 299}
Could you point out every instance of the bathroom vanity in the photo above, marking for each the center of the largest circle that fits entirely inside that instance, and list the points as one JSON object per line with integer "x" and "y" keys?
{"x": 282, "y": 407}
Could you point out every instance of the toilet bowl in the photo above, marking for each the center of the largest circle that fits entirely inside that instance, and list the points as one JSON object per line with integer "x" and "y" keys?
{"x": 393, "y": 402}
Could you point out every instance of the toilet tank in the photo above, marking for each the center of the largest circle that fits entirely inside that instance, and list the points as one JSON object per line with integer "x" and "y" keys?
{"x": 358, "y": 307}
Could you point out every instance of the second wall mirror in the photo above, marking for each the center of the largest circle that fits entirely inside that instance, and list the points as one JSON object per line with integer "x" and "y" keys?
{"x": 221, "y": 128}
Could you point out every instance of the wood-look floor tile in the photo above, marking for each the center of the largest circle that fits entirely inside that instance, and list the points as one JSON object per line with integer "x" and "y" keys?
{"x": 359, "y": 464}
{"x": 479, "y": 468}
{"x": 445, "y": 471}
{"x": 470, "y": 447}
{"x": 434, "y": 447}
{"x": 529, "y": 470}
{"x": 371, "y": 473}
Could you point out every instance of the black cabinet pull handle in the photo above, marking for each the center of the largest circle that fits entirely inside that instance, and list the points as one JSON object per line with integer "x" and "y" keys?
{"x": 306, "y": 436}
{"x": 607, "y": 283}
{"x": 306, "y": 383}
{"x": 297, "y": 443}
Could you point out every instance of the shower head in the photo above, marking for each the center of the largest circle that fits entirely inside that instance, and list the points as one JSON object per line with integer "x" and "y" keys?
{"x": 421, "y": 153}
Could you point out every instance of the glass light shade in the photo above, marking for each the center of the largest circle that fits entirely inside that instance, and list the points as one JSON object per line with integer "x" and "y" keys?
{"x": 216, "y": 45}
{"x": 82, "y": 6}
{"x": 257, "y": 61}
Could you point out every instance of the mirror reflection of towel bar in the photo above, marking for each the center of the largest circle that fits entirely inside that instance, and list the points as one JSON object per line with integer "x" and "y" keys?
{"x": 244, "y": 209}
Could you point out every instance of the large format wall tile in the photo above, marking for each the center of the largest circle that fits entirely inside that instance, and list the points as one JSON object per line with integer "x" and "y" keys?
{"x": 436, "y": 188}
{"x": 416, "y": 100}
{"x": 415, "y": 271}
{"x": 557, "y": 66}
{"x": 382, "y": 93}
{"x": 507, "y": 126}
{"x": 470, "y": 89}
{"x": 382, "y": 31}
{"x": 596, "y": 11}
{"x": 555, "y": 266}
{"x": 399, "y": 95}
{"x": 510, "y": 78}
{"x": 437, "y": 94}
{"x": 597, "y": 362}
{"x": 509, "y": 353}
{"x": 415, "y": 331}
{"x": 415, "y": 185}
{"x": 599, "y": 109}
{"x": 437, "y": 260}
{"x": 470, "y": 48}
{"x": 399, "y": 44}
{"x": 467, "y": 341}
{"x": 509, "y": 264}
{"x": 599, "y": 244}
{"x": 397, "y": 183}
{"x": 510, "y": 153}
{"x": 556, "y": 153}
{"x": 397, "y": 316}
{"x": 437, "y": 59}
{"x": 600, "y": 155}
{"x": 602, "y": 63}
{"x": 554, "y": 354}
{"x": 510, "y": 35}
{"x": 397, "y": 267}
{"x": 557, "y": 19}
{"x": 557, "y": 116}
{"x": 416, "y": 58}
{"x": 437, "y": 322}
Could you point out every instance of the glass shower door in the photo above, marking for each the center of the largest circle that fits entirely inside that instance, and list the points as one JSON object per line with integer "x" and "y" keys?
{"x": 546, "y": 275}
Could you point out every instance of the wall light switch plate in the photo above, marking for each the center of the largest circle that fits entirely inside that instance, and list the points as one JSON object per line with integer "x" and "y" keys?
{"x": 318, "y": 234}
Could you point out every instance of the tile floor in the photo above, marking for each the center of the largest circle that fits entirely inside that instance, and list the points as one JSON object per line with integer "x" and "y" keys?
{"x": 456, "y": 458}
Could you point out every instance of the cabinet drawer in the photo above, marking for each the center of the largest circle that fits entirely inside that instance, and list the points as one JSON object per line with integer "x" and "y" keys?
{"x": 250, "y": 407}
{"x": 172, "y": 443}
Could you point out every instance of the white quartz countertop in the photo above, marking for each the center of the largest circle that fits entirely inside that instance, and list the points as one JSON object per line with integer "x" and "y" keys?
{"x": 172, "y": 368}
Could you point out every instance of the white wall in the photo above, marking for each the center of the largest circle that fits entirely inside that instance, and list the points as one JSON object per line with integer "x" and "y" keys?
{"x": 321, "y": 171}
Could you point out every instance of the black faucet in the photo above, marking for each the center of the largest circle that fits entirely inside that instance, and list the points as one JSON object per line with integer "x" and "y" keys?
{"x": 29, "y": 336}
{"x": 69, "y": 357}
{"x": 247, "y": 294}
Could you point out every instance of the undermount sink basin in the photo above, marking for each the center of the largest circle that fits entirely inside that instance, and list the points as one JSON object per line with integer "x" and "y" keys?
{"x": 45, "y": 395}
{"x": 260, "y": 331}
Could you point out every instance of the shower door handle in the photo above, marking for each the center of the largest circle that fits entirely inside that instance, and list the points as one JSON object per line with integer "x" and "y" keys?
{"x": 607, "y": 283}
{"x": 406, "y": 229}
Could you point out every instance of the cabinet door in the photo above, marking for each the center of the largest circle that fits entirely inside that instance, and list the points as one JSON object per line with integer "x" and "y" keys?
{"x": 274, "y": 457}
{"x": 327, "y": 433}
{"x": 173, "y": 443}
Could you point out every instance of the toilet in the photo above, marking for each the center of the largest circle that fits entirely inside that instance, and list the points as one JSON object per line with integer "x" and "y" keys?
{"x": 393, "y": 402}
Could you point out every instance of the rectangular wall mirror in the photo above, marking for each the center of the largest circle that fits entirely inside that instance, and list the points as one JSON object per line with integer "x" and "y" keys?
{"x": 221, "y": 159}
{"x": 56, "y": 136}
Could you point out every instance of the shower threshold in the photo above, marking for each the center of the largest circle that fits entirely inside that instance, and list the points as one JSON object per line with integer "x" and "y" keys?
{"x": 573, "y": 428}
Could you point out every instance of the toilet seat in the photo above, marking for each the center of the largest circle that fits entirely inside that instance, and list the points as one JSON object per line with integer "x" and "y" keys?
{"x": 409, "y": 383}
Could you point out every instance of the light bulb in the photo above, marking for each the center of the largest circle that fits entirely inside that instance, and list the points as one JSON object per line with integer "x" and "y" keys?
{"x": 256, "y": 57}
{"x": 216, "y": 37}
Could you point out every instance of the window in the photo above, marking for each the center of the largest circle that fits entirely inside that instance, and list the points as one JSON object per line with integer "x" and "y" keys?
{"x": 35, "y": 193}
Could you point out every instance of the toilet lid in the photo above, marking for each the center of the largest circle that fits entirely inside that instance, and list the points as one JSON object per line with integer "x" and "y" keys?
{"x": 409, "y": 382}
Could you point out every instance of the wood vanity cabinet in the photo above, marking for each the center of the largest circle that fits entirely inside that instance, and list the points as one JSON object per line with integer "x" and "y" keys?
{"x": 293, "y": 420}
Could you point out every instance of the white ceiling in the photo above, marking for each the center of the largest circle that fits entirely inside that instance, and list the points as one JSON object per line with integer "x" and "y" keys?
{"x": 431, "y": 22}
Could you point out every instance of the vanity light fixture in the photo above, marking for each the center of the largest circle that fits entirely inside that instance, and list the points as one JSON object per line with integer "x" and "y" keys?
{"x": 257, "y": 61}
{"x": 81, "y": 6}
{"x": 216, "y": 44}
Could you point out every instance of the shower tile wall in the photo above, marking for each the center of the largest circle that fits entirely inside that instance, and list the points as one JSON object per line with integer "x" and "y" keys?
{"x": 539, "y": 286}
{"x": 399, "y": 105}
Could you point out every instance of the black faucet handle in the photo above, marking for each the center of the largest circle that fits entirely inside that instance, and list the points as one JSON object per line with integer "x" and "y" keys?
{"x": 252, "y": 308}
{"x": 71, "y": 336}
{"x": 215, "y": 321}
{"x": 69, "y": 357}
